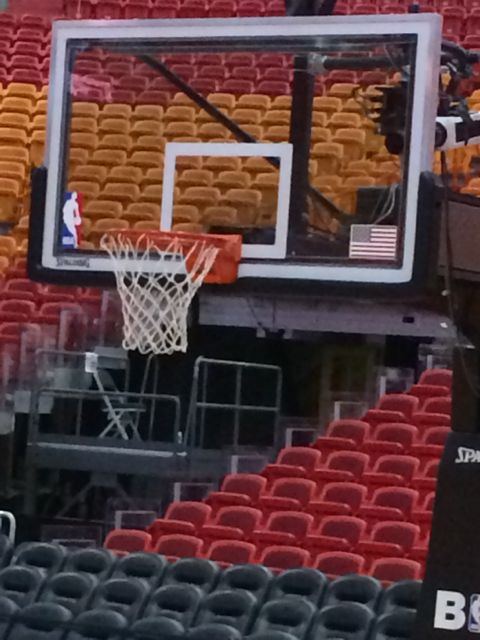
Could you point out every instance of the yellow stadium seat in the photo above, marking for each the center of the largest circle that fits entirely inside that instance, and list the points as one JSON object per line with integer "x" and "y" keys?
{"x": 151, "y": 193}
{"x": 276, "y": 117}
{"x": 348, "y": 192}
{"x": 195, "y": 178}
{"x": 85, "y": 110}
{"x": 333, "y": 183}
{"x": 182, "y": 100}
{"x": 179, "y": 129}
{"x": 15, "y": 121}
{"x": 329, "y": 156}
{"x": 118, "y": 110}
{"x": 246, "y": 202}
{"x": 209, "y": 130}
{"x": 353, "y": 142}
{"x": 114, "y": 125}
{"x": 345, "y": 121}
{"x": 146, "y": 159}
{"x": 255, "y": 130}
{"x": 147, "y": 112}
{"x": 152, "y": 176}
{"x": 343, "y": 90}
{"x": 359, "y": 168}
{"x": 246, "y": 116}
{"x": 109, "y": 158}
{"x": 218, "y": 163}
{"x": 20, "y": 231}
{"x": 75, "y": 156}
{"x": 327, "y": 104}
{"x": 320, "y": 134}
{"x": 41, "y": 108}
{"x": 189, "y": 227}
{"x": 115, "y": 141}
{"x": 386, "y": 172}
{"x": 120, "y": 192}
{"x": 185, "y": 213}
{"x": 4, "y": 264}
{"x": 8, "y": 246}
{"x": 84, "y": 125}
{"x": 278, "y": 133}
{"x": 282, "y": 102}
{"x": 256, "y": 165}
{"x": 224, "y": 101}
{"x": 104, "y": 225}
{"x": 39, "y": 123}
{"x": 37, "y": 148}
{"x": 200, "y": 197}
{"x": 149, "y": 143}
{"x": 179, "y": 114}
{"x": 353, "y": 105}
{"x": 42, "y": 94}
{"x": 319, "y": 119}
{"x": 232, "y": 180}
{"x": 267, "y": 184}
{"x": 97, "y": 209}
{"x": 22, "y": 249}
{"x": 21, "y": 90}
{"x": 9, "y": 194}
{"x": 11, "y": 136}
{"x": 92, "y": 173}
{"x": 125, "y": 174}
{"x": 86, "y": 245}
{"x": 14, "y": 154}
{"x": 89, "y": 190}
{"x": 220, "y": 216}
{"x": 13, "y": 170}
{"x": 146, "y": 225}
{"x": 146, "y": 128}
{"x": 17, "y": 105}
{"x": 149, "y": 210}
{"x": 132, "y": 217}
{"x": 87, "y": 141}
{"x": 256, "y": 101}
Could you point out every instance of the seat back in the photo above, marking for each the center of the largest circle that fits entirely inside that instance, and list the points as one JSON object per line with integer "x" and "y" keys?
{"x": 179, "y": 602}
{"x": 125, "y": 596}
{"x": 308, "y": 584}
{"x": 20, "y": 584}
{"x": 98, "y": 563}
{"x": 396, "y": 625}
{"x": 401, "y": 595}
{"x": 156, "y": 627}
{"x": 227, "y": 606}
{"x": 198, "y": 572}
{"x": 290, "y": 614}
{"x": 249, "y": 577}
{"x": 363, "y": 589}
{"x": 348, "y": 620}
{"x": 356, "y": 430}
{"x": 214, "y": 632}
{"x": 70, "y": 590}
{"x": 284, "y": 557}
{"x": 42, "y": 621}
{"x": 47, "y": 558}
{"x": 98, "y": 625}
{"x": 146, "y": 567}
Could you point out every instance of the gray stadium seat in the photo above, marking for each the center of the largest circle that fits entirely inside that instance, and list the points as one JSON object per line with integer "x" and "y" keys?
{"x": 121, "y": 595}
{"x": 347, "y": 621}
{"x": 40, "y": 621}
{"x": 20, "y": 584}
{"x": 177, "y": 601}
{"x": 290, "y": 614}
{"x": 310, "y": 584}
{"x": 201, "y": 573}
{"x": 71, "y": 590}
{"x": 8, "y": 608}
{"x": 146, "y": 567}
{"x": 353, "y": 588}
{"x": 396, "y": 625}
{"x": 98, "y": 563}
{"x": 272, "y": 635}
{"x": 214, "y": 632}
{"x": 47, "y": 558}
{"x": 97, "y": 625}
{"x": 247, "y": 577}
{"x": 227, "y": 606}
{"x": 401, "y": 595}
{"x": 157, "y": 627}
{"x": 6, "y": 551}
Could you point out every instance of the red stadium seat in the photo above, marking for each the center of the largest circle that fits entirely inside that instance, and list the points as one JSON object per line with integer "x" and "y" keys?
{"x": 176, "y": 546}
{"x": 339, "y": 498}
{"x": 390, "y": 438}
{"x": 441, "y": 377}
{"x": 284, "y": 527}
{"x": 389, "y": 539}
{"x": 389, "y": 503}
{"x": 432, "y": 444}
{"x": 232, "y": 523}
{"x": 295, "y": 462}
{"x": 425, "y": 392}
{"x": 423, "y": 515}
{"x": 222, "y": 9}
{"x": 241, "y": 489}
{"x": 423, "y": 419}
{"x": 336, "y": 533}
{"x": 393, "y": 470}
{"x": 426, "y": 482}
{"x": 288, "y": 494}
{"x": 390, "y": 570}
{"x": 123, "y": 541}
{"x": 181, "y": 517}
{"x": 343, "y": 434}
{"x": 340, "y": 466}
{"x": 278, "y": 558}
{"x": 438, "y": 405}
{"x": 339, "y": 563}
{"x": 374, "y": 417}
{"x": 228, "y": 552}
{"x": 403, "y": 403}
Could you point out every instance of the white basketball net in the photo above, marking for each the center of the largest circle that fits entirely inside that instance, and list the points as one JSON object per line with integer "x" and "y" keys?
{"x": 155, "y": 304}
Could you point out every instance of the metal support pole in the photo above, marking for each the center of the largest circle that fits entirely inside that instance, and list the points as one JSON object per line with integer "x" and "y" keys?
{"x": 303, "y": 92}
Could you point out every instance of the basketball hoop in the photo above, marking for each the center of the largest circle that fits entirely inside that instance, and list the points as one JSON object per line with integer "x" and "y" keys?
{"x": 155, "y": 302}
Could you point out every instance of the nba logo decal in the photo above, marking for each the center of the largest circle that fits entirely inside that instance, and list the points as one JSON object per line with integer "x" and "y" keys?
{"x": 72, "y": 220}
{"x": 474, "y": 614}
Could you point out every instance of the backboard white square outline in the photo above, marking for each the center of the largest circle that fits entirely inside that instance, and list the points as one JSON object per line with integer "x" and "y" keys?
{"x": 282, "y": 151}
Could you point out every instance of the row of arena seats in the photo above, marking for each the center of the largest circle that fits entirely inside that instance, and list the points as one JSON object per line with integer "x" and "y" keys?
{"x": 51, "y": 593}
{"x": 358, "y": 500}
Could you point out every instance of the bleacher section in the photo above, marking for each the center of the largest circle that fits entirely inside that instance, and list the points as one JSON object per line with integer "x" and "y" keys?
{"x": 359, "y": 500}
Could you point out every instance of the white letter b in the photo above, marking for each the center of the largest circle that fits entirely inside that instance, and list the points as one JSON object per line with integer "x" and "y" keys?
{"x": 449, "y": 610}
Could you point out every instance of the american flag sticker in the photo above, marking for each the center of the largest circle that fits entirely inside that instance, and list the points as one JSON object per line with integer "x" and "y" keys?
{"x": 373, "y": 242}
